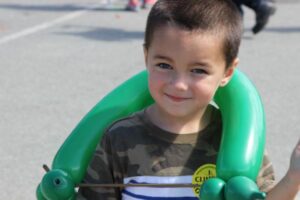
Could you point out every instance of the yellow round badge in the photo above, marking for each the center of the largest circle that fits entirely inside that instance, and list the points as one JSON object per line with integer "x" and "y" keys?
{"x": 203, "y": 173}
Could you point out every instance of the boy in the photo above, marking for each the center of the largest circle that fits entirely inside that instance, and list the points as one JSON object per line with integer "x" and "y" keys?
{"x": 190, "y": 50}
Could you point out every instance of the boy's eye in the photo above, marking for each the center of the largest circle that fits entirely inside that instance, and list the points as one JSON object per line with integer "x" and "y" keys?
{"x": 199, "y": 71}
{"x": 164, "y": 66}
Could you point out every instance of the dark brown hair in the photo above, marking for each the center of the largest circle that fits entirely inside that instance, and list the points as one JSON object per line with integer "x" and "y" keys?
{"x": 220, "y": 17}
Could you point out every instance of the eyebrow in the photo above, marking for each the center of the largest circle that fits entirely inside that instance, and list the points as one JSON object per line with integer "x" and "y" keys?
{"x": 162, "y": 57}
{"x": 203, "y": 64}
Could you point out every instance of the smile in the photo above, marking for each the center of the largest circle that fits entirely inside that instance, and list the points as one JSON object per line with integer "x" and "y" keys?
{"x": 177, "y": 98}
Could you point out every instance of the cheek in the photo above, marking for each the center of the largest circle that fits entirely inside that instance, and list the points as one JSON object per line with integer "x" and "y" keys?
{"x": 157, "y": 80}
{"x": 205, "y": 92}
{"x": 155, "y": 83}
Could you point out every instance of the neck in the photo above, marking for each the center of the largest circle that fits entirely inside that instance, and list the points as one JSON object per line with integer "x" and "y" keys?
{"x": 180, "y": 125}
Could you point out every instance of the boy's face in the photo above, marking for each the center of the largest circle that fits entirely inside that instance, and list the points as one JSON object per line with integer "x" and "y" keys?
{"x": 185, "y": 69}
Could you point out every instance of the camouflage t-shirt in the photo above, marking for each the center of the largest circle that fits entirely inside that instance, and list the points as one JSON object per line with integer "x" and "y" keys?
{"x": 134, "y": 150}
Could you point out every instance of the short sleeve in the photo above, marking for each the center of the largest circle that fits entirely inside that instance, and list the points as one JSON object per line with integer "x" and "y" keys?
{"x": 99, "y": 171}
{"x": 266, "y": 177}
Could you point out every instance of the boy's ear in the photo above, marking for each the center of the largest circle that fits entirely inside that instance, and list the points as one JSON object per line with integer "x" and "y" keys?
{"x": 229, "y": 72}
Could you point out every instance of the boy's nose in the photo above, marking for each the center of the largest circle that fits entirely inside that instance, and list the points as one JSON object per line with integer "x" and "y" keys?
{"x": 179, "y": 82}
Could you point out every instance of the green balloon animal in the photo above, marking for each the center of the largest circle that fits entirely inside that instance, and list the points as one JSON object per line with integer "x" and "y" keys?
{"x": 239, "y": 159}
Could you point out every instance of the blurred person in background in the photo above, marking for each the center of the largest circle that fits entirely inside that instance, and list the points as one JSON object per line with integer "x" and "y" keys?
{"x": 263, "y": 10}
{"x": 136, "y": 5}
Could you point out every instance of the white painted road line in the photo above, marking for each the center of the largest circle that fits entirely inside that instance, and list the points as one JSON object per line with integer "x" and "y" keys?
{"x": 46, "y": 25}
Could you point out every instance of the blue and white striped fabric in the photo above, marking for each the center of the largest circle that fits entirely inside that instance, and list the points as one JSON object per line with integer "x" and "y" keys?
{"x": 152, "y": 193}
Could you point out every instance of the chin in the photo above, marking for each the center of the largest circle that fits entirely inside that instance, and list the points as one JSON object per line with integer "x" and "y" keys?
{"x": 179, "y": 113}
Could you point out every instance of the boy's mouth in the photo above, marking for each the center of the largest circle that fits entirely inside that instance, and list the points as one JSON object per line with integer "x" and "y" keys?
{"x": 177, "y": 98}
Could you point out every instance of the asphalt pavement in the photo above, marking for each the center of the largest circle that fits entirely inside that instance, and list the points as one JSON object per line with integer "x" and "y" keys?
{"x": 58, "y": 58}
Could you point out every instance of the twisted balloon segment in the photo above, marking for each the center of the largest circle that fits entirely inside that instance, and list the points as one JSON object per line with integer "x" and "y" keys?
{"x": 239, "y": 159}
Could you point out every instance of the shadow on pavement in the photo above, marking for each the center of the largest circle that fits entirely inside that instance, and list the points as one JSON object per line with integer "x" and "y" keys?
{"x": 295, "y": 29}
{"x": 56, "y": 8}
{"x": 283, "y": 29}
{"x": 61, "y": 8}
{"x": 107, "y": 34}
